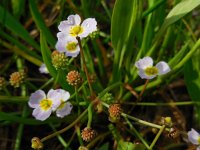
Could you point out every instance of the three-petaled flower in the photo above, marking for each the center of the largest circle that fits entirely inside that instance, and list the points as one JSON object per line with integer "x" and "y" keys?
{"x": 70, "y": 29}
{"x": 148, "y": 71}
{"x": 44, "y": 105}
{"x": 194, "y": 138}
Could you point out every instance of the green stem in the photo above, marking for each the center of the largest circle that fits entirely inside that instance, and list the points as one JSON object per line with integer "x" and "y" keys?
{"x": 78, "y": 132}
{"x": 24, "y": 112}
{"x": 144, "y": 88}
{"x": 157, "y": 137}
{"x": 60, "y": 138}
{"x": 64, "y": 129}
{"x": 136, "y": 119}
{"x": 136, "y": 132}
{"x": 106, "y": 8}
{"x": 47, "y": 83}
{"x": 89, "y": 116}
{"x": 76, "y": 93}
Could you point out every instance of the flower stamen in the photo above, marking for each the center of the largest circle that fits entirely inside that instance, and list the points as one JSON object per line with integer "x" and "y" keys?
{"x": 45, "y": 104}
{"x": 150, "y": 71}
{"x": 71, "y": 46}
{"x": 76, "y": 30}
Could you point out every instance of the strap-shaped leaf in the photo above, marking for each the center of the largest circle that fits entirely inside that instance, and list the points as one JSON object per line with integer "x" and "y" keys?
{"x": 41, "y": 24}
{"x": 124, "y": 18}
{"x": 8, "y": 21}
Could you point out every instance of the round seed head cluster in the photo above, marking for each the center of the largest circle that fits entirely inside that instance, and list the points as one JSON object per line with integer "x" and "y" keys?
{"x": 88, "y": 134}
{"x": 59, "y": 60}
{"x": 2, "y": 82}
{"x": 17, "y": 78}
{"x": 115, "y": 111}
{"x": 74, "y": 78}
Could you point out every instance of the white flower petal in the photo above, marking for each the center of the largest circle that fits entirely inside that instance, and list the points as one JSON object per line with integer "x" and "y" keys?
{"x": 77, "y": 19}
{"x": 63, "y": 94}
{"x": 163, "y": 67}
{"x": 89, "y": 25}
{"x": 71, "y": 21}
{"x": 43, "y": 69}
{"x": 193, "y": 136}
{"x": 61, "y": 46}
{"x": 66, "y": 110}
{"x": 61, "y": 35}
{"x": 35, "y": 98}
{"x": 39, "y": 114}
{"x": 142, "y": 74}
{"x": 55, "y": 97}
{"x": 144, "y": 63}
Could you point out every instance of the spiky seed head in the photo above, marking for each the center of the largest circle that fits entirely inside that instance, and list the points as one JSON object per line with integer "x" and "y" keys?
{"x": 74, "y": 78}
{"x": 88, "y": 134}
{"x": 59, "y": 60}
{"x": 114, "y": 112}
{"x": 17, "y": 78}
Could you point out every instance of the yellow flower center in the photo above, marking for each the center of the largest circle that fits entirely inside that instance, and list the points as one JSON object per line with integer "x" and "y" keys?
{"x": 150, "y": 71}
{"x": 62, "y": 104}
{"x": 198, "y": 139}
{"x": 45, "y": 104}
{"x": 76, "y": 30}
{"x": 71, "y": 46}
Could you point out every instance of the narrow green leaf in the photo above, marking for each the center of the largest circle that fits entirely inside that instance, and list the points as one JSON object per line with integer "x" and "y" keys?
{"x": 21, "y": 46}
{"x": 7, "y": 20}
{"x": 46, "y": 54}
{"x": 180, "y": 10}
{"x": 192, "y": 79}
{"x": 124, "y": 18}
{"x": 41, "y": 24}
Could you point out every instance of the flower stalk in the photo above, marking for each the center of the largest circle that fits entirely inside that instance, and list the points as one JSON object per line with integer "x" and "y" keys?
{"x": 84, "y": 66}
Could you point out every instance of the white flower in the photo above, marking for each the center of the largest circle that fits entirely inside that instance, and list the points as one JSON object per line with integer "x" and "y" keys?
{"x": 44, "y": 104}
{"x": 64, "y": 108}
{"x": 73, "y": 26}
{"x": 67, "y": 44}
{"x": 194, "y": 138}
{"x": 148, "y": 71}
{"x": 43, "y": 69}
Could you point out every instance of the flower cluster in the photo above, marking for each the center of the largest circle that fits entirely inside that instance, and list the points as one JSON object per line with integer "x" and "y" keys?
{"x": 146, "y": 70}
{"x": 194, "y": 138}
{"x": 70, "y": 29}
{"x": 54, "y": 101}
